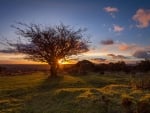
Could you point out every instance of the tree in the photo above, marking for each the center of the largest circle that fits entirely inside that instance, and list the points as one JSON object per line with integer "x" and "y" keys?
{"x": 50, "y": 44}
{"x": 144, "y": 65}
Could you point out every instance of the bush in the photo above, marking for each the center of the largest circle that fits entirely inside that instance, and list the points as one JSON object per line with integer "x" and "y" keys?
{"x": 143, "y": 106}
{"x": 127, "y": 103}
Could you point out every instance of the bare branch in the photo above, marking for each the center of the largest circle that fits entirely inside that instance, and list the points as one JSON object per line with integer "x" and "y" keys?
{"x": 50, "y": 44}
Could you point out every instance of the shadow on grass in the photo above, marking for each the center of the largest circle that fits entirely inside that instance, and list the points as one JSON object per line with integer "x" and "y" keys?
{"x": 15, "y": 99}
{"x": 50, "y": 84}
{"x": 49, "y": 99}
{"x": 95, "y": 81}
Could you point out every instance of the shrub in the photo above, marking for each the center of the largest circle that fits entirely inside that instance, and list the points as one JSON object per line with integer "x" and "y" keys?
{"x": 127, "y": 103}
{"x": 143, "y": 106}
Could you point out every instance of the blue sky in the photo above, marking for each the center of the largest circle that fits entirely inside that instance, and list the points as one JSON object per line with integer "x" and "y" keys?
{"x": 125, "y": 22}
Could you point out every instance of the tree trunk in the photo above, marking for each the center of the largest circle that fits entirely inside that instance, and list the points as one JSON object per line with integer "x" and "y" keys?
{"x": 53, "y": 69}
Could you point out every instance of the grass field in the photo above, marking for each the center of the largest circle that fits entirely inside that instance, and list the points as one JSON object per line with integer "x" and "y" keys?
{"x": 92, "y": 93}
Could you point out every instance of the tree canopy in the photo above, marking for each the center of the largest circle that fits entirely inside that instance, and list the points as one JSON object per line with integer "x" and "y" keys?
{"x": 49, "y": 44}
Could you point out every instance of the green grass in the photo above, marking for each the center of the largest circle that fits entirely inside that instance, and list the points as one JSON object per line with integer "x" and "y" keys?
{"x": 92, "y": 93}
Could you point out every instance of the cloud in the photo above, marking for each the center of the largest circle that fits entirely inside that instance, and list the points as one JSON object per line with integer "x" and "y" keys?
{"x": 112, "y": 55}
{"x": 126, "y": 47}
{"x": 117, "y": 56}
{"x": 107, "y": 42}
{"x": 99, "y": 59}
{"x": 111, "y": 10}
{"x": 8, "y": 51}
{"x": 118, "y": 28}
{"x": 142, "y": 17}
{"x": 141, "y": 54}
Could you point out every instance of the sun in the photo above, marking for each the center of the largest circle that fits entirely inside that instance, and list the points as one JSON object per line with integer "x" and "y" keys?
{"x": 60, "y": 61}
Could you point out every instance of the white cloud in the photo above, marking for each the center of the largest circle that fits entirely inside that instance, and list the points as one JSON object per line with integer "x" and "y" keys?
{"x": 111, "y": 9}
{"x": 142, "y": 17}
{"x": 118, "y": 28}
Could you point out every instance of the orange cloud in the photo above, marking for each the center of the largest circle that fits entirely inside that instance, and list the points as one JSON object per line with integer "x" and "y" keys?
{"x": 118, "y": 28}
{"x": 142, "y": 17}
{"x": 111, "y": 10}
{"x": 125, "y": 47}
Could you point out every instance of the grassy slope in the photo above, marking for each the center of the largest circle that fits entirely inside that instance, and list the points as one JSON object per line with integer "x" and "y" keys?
{"x": 92, "y": 93}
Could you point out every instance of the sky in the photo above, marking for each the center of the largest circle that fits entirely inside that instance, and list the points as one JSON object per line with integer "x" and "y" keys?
{"x": 118, "y": 29}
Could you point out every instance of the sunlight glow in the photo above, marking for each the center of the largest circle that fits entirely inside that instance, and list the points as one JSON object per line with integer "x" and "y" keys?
{"x": 61, "y": 61}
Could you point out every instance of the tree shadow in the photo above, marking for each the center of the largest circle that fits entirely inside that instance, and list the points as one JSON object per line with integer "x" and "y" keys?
{"x": 51, "y": 97}
{"x": 50, "y": 84}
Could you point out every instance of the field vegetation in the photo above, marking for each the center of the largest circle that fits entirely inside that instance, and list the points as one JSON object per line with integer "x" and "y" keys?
{"x": 109, "y": 92}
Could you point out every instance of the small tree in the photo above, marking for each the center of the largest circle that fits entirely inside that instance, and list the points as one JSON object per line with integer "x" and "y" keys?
{"x": 49, "y": 44}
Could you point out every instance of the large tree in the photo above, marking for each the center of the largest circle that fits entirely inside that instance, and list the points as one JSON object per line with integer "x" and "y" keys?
{"x": 50, "y": 44}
